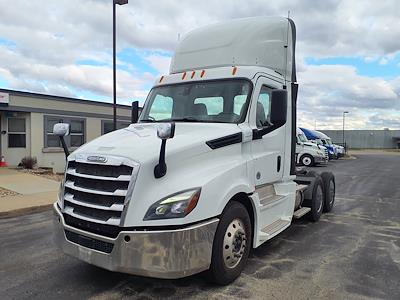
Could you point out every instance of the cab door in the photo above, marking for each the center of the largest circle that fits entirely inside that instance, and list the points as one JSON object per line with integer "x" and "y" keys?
{"x": 268, "y": 140}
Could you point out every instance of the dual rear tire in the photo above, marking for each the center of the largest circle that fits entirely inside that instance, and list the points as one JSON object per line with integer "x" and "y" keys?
{"x": 322, "y": 196}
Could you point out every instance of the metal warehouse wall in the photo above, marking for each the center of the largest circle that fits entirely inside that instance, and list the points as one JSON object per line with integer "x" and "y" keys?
{"x": 378, "y": 139}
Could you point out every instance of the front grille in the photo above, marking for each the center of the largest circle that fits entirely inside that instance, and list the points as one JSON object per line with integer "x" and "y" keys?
{"x": 89, "y": 242}
{"x": 96, "y": 192}
{"x": 96, "y": 228}
{"x": 100, "y": 170}
{"x": 326, "y": 153}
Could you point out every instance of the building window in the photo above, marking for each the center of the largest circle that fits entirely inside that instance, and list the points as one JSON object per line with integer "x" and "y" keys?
{"x": 108, "y": 126}
{"x": 16, "y": 133}
{"x": 76, "y": 137}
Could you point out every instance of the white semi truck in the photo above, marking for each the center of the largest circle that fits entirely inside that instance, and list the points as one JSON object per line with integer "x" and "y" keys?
{"x": 309, "y": 154}
{"x": 207, "y": 172}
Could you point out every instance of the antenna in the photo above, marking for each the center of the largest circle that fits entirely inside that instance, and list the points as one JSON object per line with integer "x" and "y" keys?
{"x": 286, "y": 46}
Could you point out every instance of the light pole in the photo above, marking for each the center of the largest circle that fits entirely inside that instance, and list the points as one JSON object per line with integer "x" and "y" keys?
{"x": 115, "y": 2}
{"x": 344, "y": 113}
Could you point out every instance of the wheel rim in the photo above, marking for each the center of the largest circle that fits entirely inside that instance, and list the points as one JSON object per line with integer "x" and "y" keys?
{"x": 331, "y": 192}
{"x": 306, "y": 161}
{"x": 319, "y": 198}
{"x": 234, "y": 243}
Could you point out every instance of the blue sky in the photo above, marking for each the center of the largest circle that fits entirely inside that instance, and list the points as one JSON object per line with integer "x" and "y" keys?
{"x": 371, "y": 67}
{"x": 348, "y": 54}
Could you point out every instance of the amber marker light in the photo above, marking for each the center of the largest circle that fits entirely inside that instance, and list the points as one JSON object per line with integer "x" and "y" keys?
{"x": 193, "y": 202}
{"x": 234, "y": 70}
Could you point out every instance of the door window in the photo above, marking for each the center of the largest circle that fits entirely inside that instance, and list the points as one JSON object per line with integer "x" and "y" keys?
{"x": 263, "y": 110}
{"x": 16, "y": 133}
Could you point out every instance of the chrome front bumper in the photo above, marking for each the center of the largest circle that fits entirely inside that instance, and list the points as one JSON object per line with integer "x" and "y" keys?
{"x": 320, "y": 159}
{"x": 162, "y": 253}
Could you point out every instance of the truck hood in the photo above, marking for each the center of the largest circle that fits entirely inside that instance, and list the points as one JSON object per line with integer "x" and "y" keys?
{"x": 140, "y": 142}
{"x": 311, "y": 144}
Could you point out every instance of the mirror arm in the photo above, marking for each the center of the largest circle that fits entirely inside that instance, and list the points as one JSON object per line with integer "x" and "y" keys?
{"x": 135, "y": 112}
{"x": 64, "y": 145}
{"x": 161, "y": 169}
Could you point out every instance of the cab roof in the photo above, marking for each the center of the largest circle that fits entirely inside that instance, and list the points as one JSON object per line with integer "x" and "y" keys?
{"x": 259, "y": 41}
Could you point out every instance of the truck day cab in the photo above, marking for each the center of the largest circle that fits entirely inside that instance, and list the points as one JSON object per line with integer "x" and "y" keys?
{"x": 308, "y": 153}
{"x": 208, "y": 171}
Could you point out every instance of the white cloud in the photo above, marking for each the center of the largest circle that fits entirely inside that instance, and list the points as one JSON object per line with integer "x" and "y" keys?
{"x": 159, "y": 62}
{"x": 51, "y": 36}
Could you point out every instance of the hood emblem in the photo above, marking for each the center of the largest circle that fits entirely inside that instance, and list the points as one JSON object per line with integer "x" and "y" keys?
{"x": 100, "y": 159}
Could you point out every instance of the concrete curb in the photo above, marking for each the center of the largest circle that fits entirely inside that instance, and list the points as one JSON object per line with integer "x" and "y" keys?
{"x": 25, "y": 211}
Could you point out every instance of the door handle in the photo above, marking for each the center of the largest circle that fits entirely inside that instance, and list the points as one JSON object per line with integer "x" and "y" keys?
{"x": 278, "y": 163}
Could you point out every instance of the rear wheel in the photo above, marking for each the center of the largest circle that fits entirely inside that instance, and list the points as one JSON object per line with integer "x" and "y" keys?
{"x": 329, "y": 190}
{"x": 307, "y": 160}
{"x": 317, "y": 200}
{"x": 231, "y": 245}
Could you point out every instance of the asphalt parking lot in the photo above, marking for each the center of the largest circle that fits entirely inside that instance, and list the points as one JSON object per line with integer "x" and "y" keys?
{"x": 353, "y": 252}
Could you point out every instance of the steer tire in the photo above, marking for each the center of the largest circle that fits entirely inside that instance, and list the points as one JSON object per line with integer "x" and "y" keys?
{"x": 223, "y": 270}
{"x": 329, "y": 190}
{"x": 317, "y": 200}
{"x": 307, "y": 160}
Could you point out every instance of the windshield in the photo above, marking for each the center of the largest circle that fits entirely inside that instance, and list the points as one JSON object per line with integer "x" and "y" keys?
{"x": 302, "y": 137}
{"x": 222, "y": 101}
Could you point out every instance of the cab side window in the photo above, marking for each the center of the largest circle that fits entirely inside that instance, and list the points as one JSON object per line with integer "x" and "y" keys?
{"x": 263, "y": 108}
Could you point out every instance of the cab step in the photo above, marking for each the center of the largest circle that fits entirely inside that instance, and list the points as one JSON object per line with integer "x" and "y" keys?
{"x": 276, "y": 226}
{"x": 301, "y": 212}
{"x": 301, "y": 187}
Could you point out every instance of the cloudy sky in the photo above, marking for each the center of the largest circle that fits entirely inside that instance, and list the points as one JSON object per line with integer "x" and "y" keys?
{"x": 348, "y": 52}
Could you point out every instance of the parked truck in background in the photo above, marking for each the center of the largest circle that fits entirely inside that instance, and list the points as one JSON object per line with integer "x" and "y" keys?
{"x": 321, "y": 139}
{"x": 308, "y": 153}
{"x": 208, "y": 171}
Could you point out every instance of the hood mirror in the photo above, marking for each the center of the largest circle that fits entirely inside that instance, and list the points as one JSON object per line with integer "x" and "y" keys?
{"x": 61, "y": 130}
{"x": 164, "y": 131}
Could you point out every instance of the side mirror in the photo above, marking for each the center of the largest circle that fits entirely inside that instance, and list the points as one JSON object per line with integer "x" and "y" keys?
{"x": 278, "y": 107}
{"x": 61, "y": 129}
{"x": 164, "y": 132}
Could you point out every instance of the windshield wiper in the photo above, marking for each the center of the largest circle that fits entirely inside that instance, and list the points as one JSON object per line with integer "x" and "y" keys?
{"x": 147, "y": 120}
{"x": 185, "y": 119}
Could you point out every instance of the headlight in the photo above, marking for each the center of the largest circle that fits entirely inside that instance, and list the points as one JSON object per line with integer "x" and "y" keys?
{"x": 175, "y": 206}
{"x": 331, "y": 152}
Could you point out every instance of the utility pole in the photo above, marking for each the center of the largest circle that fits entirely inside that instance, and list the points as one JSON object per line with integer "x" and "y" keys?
{"x": 344, "y": 114}
{"x": 115, "y": 2}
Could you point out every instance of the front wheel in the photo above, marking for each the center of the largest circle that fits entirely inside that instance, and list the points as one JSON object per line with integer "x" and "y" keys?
{"x": 231, "y": 245}
{"x": 307, "y": 160}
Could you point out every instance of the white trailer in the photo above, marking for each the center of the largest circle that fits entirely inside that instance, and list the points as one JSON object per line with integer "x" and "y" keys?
{"x": 208, "y": 171}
